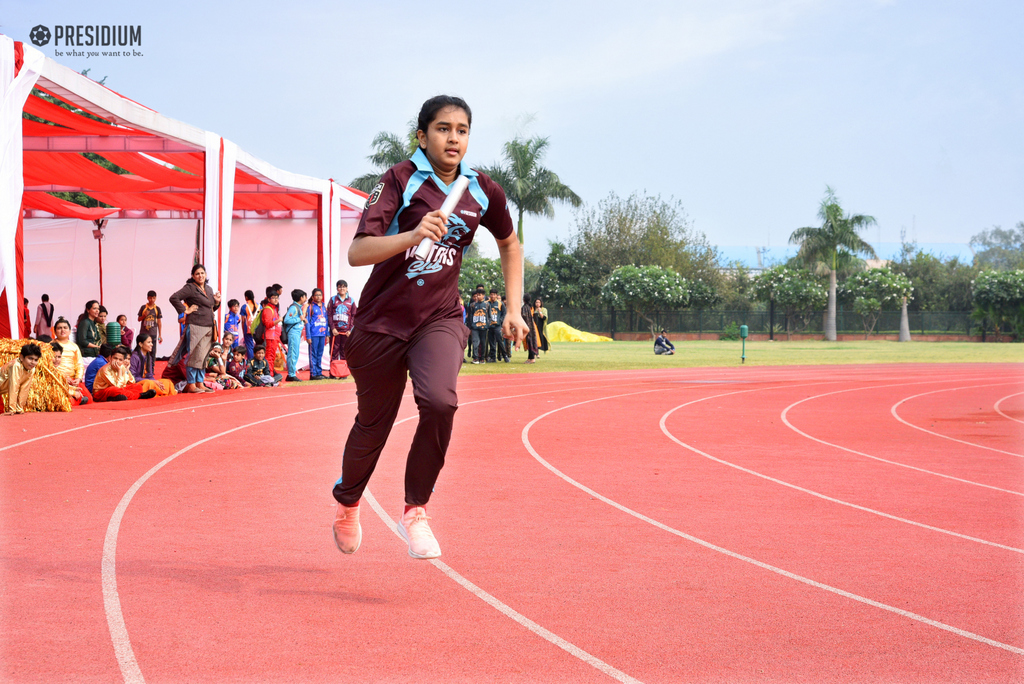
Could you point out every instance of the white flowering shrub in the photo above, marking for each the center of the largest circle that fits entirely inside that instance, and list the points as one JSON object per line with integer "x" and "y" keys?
{"x": 646, "y": 289}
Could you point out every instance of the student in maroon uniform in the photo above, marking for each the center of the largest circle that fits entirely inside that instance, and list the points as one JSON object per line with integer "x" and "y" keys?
{"x": 409, "y": 318}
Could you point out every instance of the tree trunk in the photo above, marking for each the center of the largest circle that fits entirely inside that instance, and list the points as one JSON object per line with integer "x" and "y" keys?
{"x": 904, "y": 323}
{"x": 830, "y": 319}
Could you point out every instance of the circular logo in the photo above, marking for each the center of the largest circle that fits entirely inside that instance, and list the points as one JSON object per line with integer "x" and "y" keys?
{"x": 420, "y": 282}
{"x": 40, "y": 35}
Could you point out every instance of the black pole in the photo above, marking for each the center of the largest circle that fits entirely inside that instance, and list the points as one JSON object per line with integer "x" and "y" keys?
{"x": 771, "y": 318}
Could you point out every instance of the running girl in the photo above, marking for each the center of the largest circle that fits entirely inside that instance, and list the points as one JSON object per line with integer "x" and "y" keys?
{"x": 409, "y": 317}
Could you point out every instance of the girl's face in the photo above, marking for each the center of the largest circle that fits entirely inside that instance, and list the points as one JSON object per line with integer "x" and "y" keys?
{"x": 446, "y": 139}
{"x": 62, "y": 331}
{"x": 536, "y": 304}
{"x": 199, "y": 276}
{"x": 147, "y": 346}
{"x": 101, "y": 317}
{"x": 318, "y": 297}
{"x": 122, "y": 321}
{"x": 94, "y": 311}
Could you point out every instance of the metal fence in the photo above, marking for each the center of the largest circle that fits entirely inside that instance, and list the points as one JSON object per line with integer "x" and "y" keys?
{"x": 688, "y": 321}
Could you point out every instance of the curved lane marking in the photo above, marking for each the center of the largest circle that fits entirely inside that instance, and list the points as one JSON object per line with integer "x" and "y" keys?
{"x": 797, "y": 430}
{"x": 664, "y": 429}
{"x": 1000, "y": 412}
{"x": 111, "y": 601}
{"x": 130, "y": 671}
{"x": 938, "y": 434}
{"x": 505, "y": 609}
{"x": 732, "y": 554}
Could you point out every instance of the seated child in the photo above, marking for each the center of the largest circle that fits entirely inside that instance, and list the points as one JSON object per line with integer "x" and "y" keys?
{"x": 217, "y": 377}
{"x": 16, "y": 379}
{"x": 114, "y": 382}
{"x": 259, "y": 373}
{"x": 236, "y": 367}
{"x": 101, "y": 360}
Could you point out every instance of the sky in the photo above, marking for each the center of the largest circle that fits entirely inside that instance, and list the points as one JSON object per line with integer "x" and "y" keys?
{"x": 743, "y": 111}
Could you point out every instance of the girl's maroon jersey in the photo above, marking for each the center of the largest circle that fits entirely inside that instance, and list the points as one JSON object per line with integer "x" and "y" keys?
{"x": 404, "y": 293}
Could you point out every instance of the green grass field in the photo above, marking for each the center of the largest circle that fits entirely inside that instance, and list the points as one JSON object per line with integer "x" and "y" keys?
{"x": 574, "y": 356}
{"x": 570, "y": 356}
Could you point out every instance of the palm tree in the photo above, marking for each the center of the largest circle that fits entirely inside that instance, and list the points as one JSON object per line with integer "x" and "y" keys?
{"x": 527, "y": 184}
{"x": 831, "y": 246}
{"x": 388, "y": 150}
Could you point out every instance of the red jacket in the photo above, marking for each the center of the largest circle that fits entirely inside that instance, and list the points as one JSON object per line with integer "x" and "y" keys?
{"x": 272, "y": 331}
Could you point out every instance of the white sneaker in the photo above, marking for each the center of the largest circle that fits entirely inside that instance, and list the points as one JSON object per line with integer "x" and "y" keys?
{"x": 348, "y": 533}
{"x": 414, "y": 529}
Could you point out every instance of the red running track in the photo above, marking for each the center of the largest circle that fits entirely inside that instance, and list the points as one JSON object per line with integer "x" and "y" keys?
{"x": 819, "y": 524}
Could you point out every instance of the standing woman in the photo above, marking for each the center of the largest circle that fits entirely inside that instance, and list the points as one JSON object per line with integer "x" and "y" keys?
{"x": 44, "y": 320}
{"x": 87, "y": 335}
{"x": 531, "y": 336}
{"x": 409, "y": 321}
{"x": 540, "y": 320}
{"x": 197, "y": 301}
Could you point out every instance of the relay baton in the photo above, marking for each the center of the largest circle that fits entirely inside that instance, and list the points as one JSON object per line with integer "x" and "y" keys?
{"x": 461, "y": 183}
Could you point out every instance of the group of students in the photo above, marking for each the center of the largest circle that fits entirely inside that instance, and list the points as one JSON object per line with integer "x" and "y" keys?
{"x": 253, "y": 326}
{"x": 484, "y": 315}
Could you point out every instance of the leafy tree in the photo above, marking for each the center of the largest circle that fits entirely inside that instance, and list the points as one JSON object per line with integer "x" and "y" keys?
{"x": 388, "y": 149}
{"x": 702, "y": 295}
{"x": 873, "y": 291}
{"x": 641, "y": 230}
{"x": 797, "y": 292}
{"x": 939, "y": 285}
{"x": 528, "y": 185}
{"x": 825, "y": 247}
{"x": 481, "y": 270}
{"x": 999, "y": 297}
{"x": 567, "y": 280}
{"x": 1000, "y": 249}
{"x": 646, "y": 289}
{"x": 736, "y": 285}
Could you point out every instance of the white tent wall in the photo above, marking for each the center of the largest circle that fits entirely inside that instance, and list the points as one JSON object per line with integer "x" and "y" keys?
{"x": 62, "y": 260}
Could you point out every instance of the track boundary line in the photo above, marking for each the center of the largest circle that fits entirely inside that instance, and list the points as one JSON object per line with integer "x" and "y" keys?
{"x": 953, "y": 439}
{"x": 505, "y": 609}
{"x": 732, "y": 554}
{"x": 664, "y": 429}
{"x": 126, "y": 660}
{"x": 785, "y": 420}
{"x": 1000, "y": 412}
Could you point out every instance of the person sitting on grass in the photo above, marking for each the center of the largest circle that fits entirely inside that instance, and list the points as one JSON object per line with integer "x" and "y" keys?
{"x": 259, "y": 373}
{"x": 16, "y": 379}
{"x": 101, "y": 360}
{"x": 663, "y": 346}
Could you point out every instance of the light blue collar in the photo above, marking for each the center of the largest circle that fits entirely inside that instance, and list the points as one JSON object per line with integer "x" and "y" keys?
{"x": 419, "y": 158}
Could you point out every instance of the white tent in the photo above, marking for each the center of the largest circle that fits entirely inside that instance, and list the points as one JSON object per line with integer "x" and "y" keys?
{"x": 266, "y": 225}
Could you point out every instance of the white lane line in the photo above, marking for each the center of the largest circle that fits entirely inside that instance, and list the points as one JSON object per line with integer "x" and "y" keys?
{"x": 664, "y": 429}
{"x": 785, "y": 419}
{"x": 1000, "y": 412}
{"x": 180, "y": 409}
{"x": 214, "y": 404}
{"x": 507, "y": 610}
{"x": 952, "y": 439}
{"x": 111, "y": 600}
{"x": 737, "y": 556}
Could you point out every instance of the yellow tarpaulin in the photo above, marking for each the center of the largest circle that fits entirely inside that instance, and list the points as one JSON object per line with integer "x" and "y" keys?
{"x": 560, "y": 332}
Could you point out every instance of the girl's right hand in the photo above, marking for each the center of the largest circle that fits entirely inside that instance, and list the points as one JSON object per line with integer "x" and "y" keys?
{"x": 431, "y": 226}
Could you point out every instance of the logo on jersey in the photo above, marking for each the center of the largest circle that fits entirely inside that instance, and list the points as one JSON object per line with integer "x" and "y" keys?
{"x": 443, "y": 252}
{"x": 466, "y": 212}
{"x": 374, "y": 196}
